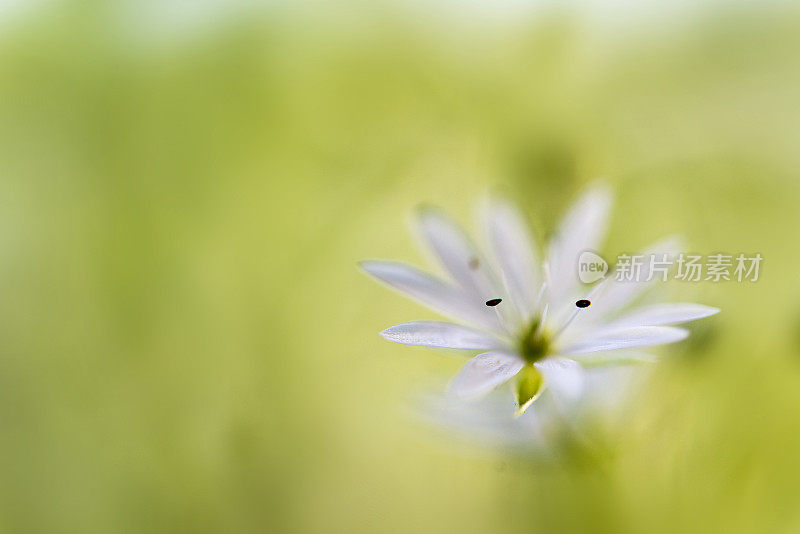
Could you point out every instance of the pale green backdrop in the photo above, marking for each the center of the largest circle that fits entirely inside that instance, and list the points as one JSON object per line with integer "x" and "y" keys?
{"x": 186, "y": 344}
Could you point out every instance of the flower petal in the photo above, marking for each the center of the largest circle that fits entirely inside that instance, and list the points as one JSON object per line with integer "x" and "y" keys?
{"x": 528, "y": 387}
{"x": 582, "y": 228}
{"x": 438, "y": 334}
{"x": 456, "y": 253}
{"x": 620, "y": 293}
{"x": 491, "y": 423}
{"x": 432, "y": 292}
{"x": 617, "y": 294}
{"x": 563, "y": 376}
{"x": 512, "y": 245}
{"x": 484, "y": 372}
{"x": 622, "y": 338}
{"x": 665, "y": 314}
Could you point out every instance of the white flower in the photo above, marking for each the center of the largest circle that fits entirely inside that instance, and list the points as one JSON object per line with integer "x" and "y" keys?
{"x": 533, "y": 319}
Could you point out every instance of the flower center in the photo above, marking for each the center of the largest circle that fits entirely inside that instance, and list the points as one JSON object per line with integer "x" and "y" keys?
{"x": 534, "y": 344}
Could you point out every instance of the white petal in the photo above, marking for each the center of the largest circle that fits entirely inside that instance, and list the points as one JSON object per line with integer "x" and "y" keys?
{"x": 492, "y": 423}
{"x": 484, "y": 372}
{"x": 621, "y": 338}
{"x": 512, "y": 245}
{"x": 563, "y": 376}
{"x": 437, "y": 334}
{"x": 432, "y": 292}
{"x": 620, "y": 293}
{"x": 582, "y": 228}
{"x": 456, "y": 253}
{"x": 617, "y": 294}
{"x": 665, "y": 314}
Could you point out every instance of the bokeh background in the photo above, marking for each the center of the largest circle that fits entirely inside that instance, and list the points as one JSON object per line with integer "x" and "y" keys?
{"x": 186, "y": 344}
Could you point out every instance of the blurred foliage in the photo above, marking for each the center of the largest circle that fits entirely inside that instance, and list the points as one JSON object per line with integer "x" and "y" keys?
{"x": 186, "y": 344}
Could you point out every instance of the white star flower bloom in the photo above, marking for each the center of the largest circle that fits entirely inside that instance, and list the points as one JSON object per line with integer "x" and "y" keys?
{"x": 532, "y": 319}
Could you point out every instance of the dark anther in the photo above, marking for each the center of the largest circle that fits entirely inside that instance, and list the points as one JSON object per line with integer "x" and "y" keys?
{"x": 493, "y": 302}
{"x": 583, "y": 303}
{"x": 474, "y": 263}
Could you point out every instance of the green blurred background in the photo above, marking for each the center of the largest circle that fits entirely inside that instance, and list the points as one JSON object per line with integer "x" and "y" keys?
{"x": 186, "y": 344}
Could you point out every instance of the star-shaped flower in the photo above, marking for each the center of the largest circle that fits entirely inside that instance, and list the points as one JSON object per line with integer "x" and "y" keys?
{"x": 533, "y": 319}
